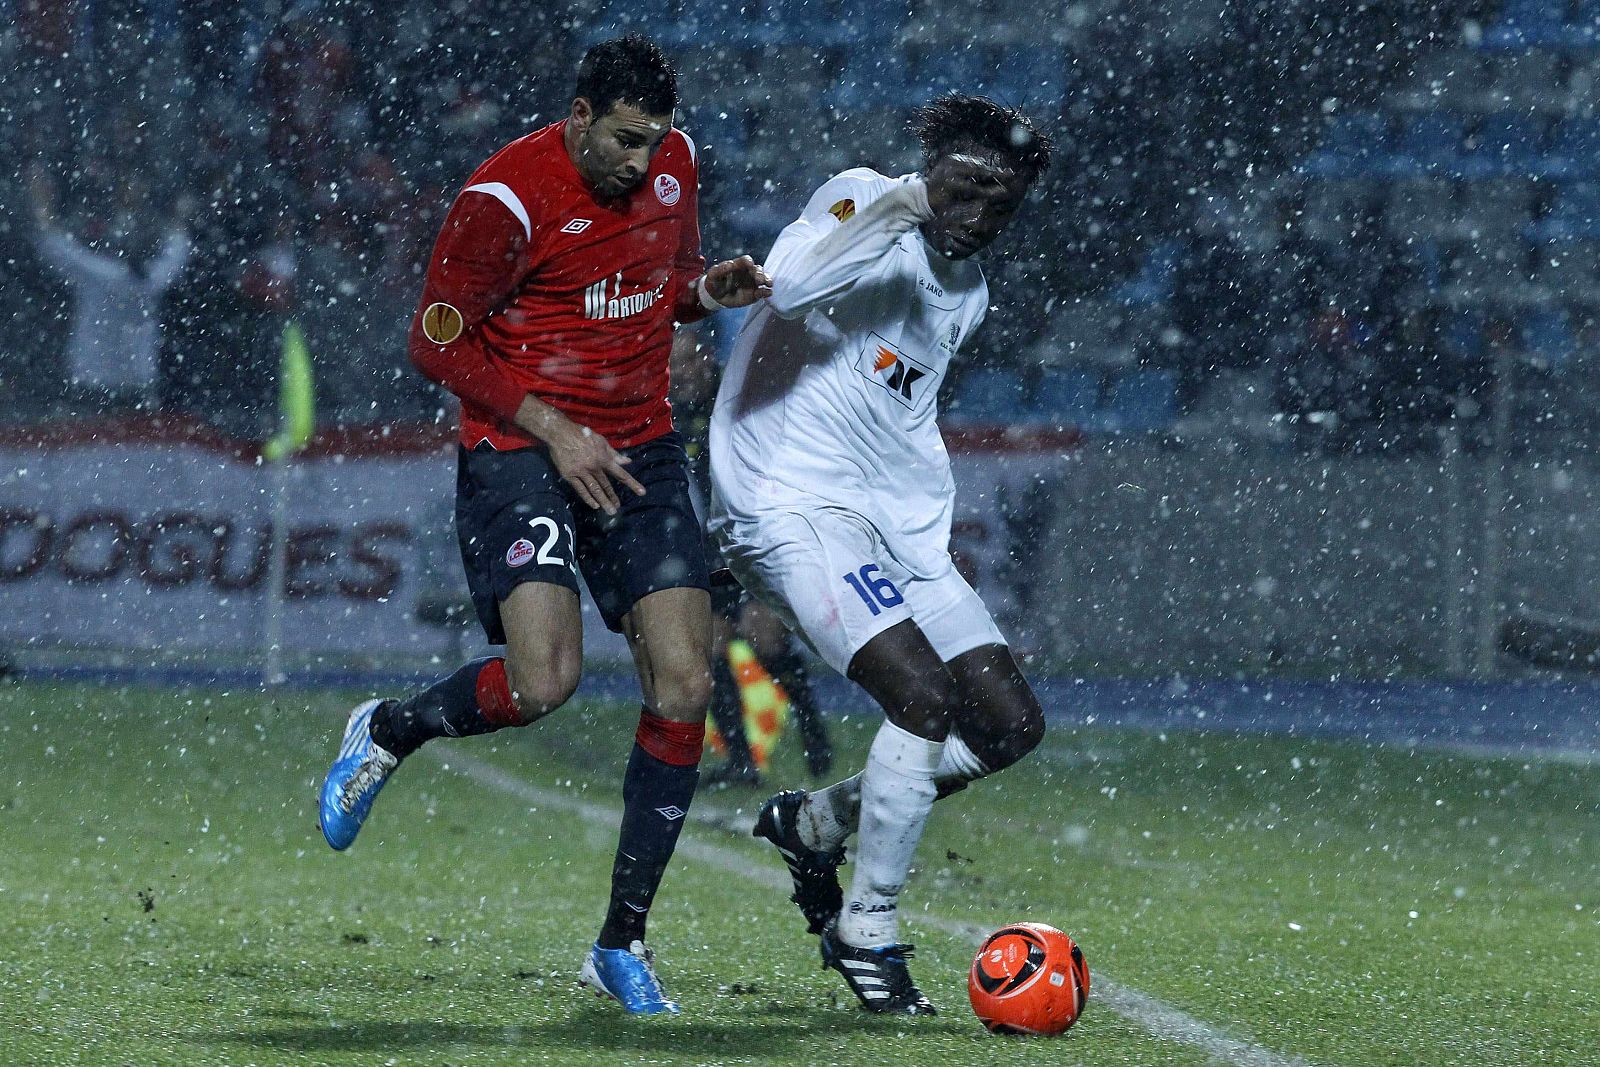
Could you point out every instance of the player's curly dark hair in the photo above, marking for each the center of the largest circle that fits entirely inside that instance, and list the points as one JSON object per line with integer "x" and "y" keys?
{"x": 628, "y": 70}
{"x": 953, "y": 123}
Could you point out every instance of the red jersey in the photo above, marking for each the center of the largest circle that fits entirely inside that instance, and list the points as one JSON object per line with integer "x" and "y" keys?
{"x": 536, "y": 286}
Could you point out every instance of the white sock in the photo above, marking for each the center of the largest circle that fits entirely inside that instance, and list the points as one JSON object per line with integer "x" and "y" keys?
{"x": 897, "y": 792}
{"x": 828, "y": 817}
{"x": 958, "y": 763}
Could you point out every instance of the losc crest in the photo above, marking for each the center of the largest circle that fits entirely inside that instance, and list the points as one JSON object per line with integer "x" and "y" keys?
{"x": 667, "y": 189}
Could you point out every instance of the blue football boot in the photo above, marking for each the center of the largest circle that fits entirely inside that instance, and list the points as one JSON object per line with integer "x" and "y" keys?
{"x": 358, "y": 772}
{"x": 628, "y": 977}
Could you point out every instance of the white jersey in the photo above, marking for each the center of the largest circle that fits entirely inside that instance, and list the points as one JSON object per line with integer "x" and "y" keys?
{"x": 829, "y": 398}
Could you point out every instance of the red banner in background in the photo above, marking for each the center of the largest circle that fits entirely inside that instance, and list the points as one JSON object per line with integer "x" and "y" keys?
{"x": 155, "y": 536}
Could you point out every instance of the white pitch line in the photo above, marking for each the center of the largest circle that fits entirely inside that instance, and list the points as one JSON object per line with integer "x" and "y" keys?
{"x": 1160, "y": 1019}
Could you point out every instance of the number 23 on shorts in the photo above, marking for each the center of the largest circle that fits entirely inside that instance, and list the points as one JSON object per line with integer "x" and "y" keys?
{"x": 548, "y": 527}
{"x": 876, "y": 592}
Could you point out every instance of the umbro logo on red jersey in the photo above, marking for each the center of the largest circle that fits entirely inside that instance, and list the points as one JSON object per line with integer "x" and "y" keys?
{"x": 577, "y": 226}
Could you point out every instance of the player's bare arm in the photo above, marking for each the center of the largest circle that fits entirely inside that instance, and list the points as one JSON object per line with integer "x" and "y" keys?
{"x": 583, "y": 458}
{"x": 736, "y": 283}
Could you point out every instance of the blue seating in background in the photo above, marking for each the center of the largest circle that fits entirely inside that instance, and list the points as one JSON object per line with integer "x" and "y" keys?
{"x": 1506, "y": 143}
{"x": 1144, "y": 399}
{"x": 660, "y": 19}
{"x": 820, "y": 23}
{"x": 1431, "y": 142}
{"x": 988, "y": 394}
{"x": 1354, "y": 143}
{"x": 1529, "y": 24}
{"x": 830, "y": 23}
{"x": 1028, "y": 77}
{"x": 1434, "y": 142}
{"x": 957, "y": 68}
{"x": 1575, "y": 149}
{"x": 1462, "y": 335}
{"x": 1157, "y": 273}
{"x": 1140, "y": 400}
{"x": 1575, "y": 214}
{"x": 1547, "y": 333}
{"x": 1032, "y": 77}
{"x": 1066, "y": 396}
{"x": 1430, "y": 264}
{"x": 871, "y": 79}
{"x": 719, "y": 130}
{"x": 1580, "y": 204}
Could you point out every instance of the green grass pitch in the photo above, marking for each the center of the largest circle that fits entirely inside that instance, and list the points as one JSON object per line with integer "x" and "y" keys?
{"x": 166, "y": 899}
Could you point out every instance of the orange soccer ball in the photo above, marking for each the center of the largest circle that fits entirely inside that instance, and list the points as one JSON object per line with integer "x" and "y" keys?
{"x": 1028, "y": 978}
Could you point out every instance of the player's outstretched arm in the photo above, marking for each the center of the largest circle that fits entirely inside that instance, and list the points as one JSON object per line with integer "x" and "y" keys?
{"x": 837, "y": 240}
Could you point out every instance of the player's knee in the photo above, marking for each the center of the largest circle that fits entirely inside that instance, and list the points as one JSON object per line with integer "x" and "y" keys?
{"x": 683, "y": 693}
{"x": 539, "y": 688}
{"x": 540, "y": 696}
{"x": 926, "y": 706}
{"x": 1026, "y": 734}
{"x": 1013, "y": 737}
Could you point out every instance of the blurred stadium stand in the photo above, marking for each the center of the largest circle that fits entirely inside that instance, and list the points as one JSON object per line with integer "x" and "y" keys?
{"x": 1331, "y": 241}
{"x": 1459, "y": 172}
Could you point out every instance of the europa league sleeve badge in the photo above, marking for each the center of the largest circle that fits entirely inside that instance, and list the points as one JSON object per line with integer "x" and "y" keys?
{"x": 441, "y": 323}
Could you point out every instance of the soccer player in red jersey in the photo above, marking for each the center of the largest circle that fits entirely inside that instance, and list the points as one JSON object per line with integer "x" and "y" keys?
{"x": 548, "y": 308}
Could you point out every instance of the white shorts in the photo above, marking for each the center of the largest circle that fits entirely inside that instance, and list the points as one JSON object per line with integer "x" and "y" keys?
{"x": 829, "y": 575}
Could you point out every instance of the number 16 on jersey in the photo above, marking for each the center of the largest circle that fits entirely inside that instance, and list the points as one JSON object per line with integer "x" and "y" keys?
{"x": 876, "y": 592}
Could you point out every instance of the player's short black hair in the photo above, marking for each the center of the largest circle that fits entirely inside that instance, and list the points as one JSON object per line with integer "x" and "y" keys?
{"x": 628, "y": 70}
{"x": 955, "y": 123}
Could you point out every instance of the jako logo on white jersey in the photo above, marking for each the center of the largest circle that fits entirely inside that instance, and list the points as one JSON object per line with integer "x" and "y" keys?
{"x": 604, "y": 299}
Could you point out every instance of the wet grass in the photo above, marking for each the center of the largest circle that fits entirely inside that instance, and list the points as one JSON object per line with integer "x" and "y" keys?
{"x": 165, "y": 898}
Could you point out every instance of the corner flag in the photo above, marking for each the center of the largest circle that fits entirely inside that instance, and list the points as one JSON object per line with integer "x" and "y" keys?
{"x": 297, "y": 400}
{"x": 297, "y": 420}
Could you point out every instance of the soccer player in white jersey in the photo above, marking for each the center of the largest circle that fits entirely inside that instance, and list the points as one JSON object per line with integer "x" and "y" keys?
{"x": 833, "y": 498}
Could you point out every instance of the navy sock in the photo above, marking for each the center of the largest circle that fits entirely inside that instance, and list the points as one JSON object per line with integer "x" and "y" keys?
{"x": 448, "y": 708}
{"x": 655, "y": 802}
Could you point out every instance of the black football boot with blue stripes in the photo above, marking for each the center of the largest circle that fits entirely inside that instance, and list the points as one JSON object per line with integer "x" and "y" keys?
{"x": 877, "y": 976}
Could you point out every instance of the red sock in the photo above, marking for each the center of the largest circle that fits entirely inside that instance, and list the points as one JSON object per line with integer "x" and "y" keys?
{"x": 494, "y": 695}
{"x": 677, "y": 743}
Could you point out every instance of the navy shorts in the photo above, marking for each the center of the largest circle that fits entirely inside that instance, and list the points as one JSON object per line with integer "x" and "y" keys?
{"x": 518, "y": 521}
